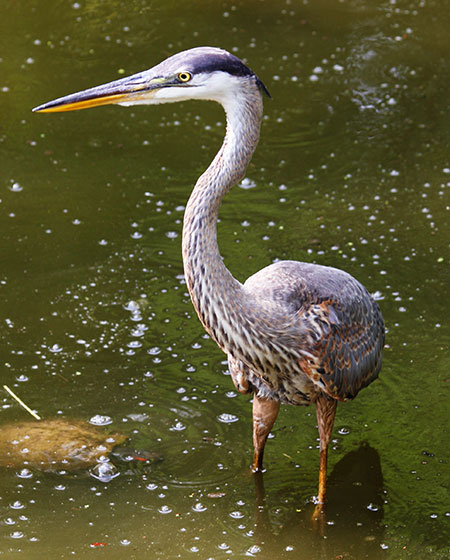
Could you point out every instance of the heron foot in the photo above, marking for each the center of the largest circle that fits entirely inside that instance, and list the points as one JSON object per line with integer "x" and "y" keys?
{"x": 319, "y": 518}
{"x": 319, "y": 511}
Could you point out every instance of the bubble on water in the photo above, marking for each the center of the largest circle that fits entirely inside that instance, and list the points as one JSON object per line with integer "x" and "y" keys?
{"x": 199, "y": 507}
{"x": 134, "y": 344}
{"x": 131, "y": 306}
{"x": 139, "y": 330}
{"x": 100, "y": 420}
{"x": 165, "y": 509}
{"x": 247, "y": 184}
{"x": 104, "y": 471}
{"x": 343, "y": 431}
{"x": 16, "y": 505}
{"x": 25, "y": 473}
{"x": 177, "y": 427}
{"x": 226, "y": 418}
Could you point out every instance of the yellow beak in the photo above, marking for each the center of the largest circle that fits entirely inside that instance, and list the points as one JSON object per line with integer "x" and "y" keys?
{"x": 82, "y": 104}
{"x": 138, "y": 87}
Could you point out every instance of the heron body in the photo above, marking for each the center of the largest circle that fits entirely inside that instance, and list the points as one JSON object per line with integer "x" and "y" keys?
{"x": 295, "y": 333}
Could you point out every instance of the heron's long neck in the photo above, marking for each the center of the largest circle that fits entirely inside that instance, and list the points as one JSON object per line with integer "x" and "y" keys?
{"x": 218, "y": 297}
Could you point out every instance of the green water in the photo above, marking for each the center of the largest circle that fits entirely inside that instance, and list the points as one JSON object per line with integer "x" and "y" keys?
{"x": 353, "y": 170}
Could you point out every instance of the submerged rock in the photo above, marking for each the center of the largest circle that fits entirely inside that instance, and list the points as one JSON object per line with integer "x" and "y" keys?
{"x": 50, "y": 445}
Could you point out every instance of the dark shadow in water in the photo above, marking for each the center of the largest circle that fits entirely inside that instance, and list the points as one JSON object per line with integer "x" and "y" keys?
{"x": 352, "y": 526}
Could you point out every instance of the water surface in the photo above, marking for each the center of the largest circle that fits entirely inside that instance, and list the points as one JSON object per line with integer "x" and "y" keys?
{"x": 352, "y": 171}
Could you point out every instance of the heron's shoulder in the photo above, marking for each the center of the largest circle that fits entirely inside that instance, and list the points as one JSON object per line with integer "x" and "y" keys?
{"x": 297, "y": 285}
{"x": 284, "y": 283}
{"x": 304, "y": 277}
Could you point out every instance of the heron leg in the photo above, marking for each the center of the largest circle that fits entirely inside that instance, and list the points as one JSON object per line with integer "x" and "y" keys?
{"x": 265, "y": 412}
{"x": 326, "y": 410}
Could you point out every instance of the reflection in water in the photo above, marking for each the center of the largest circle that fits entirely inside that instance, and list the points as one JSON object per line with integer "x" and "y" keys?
{"x": 352, "y": 525}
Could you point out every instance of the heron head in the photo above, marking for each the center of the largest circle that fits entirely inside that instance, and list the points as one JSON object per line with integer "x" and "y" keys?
{"x": 200, "y": 73}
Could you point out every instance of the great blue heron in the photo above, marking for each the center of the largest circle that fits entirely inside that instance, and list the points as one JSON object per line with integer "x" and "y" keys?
{"x": 294, "y": 332}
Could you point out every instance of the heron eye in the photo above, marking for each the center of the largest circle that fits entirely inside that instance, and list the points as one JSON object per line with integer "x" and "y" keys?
{"x": 184, "y": 76}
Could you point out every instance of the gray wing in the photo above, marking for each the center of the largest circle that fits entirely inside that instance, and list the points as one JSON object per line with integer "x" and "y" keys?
{"x": 342, "y": 329}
